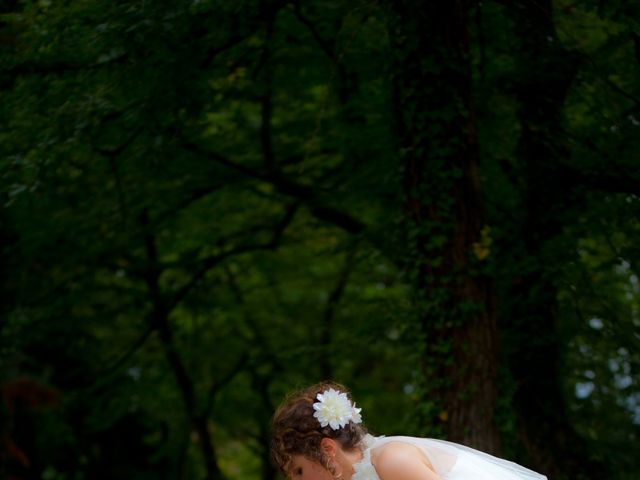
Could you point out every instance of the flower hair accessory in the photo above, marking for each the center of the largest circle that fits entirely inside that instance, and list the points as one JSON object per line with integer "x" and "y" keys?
{"x": 335, "y": 409}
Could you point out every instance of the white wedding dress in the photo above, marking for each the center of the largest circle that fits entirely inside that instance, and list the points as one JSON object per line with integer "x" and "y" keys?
{"x": 450, "y": 460}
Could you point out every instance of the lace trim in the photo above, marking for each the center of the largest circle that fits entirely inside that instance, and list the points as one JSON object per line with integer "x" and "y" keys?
{"x": 364, "y": 470}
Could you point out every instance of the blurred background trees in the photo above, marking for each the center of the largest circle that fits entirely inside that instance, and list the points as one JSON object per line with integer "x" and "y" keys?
{"x": 208, "y": 204}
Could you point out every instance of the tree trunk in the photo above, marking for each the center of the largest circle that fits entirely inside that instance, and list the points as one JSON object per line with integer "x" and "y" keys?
{"x": 550, "y": 440}
{"x": 436, "y": 130}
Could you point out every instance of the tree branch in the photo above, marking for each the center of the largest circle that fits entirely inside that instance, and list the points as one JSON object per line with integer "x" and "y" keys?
{"x": 158, "y": 319}
{"x": 326, "y": 47}
{"x": 266, "y": 104}
{"x": 217, "y": 386}
{"x": 211, "y": 54}
{"x": 115, "y": 151}
{"x": 212, "y": 261}
{"x": 304, "y": 193}
{"x": 271, "y": 10}
{"x": 329, "y": 313}
{"x": 58, "y": 67}
{"x": 112, "y": 154}
{"x": 329, "y": 49}
{"x": 142, "y": 339}
{"x": 258, "y": 337}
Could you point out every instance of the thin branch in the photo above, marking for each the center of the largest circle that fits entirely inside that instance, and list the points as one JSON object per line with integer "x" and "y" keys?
{"x": 338, "y": 218}
{"x": 324, "y": 45}
{"x": 338, "y": 290}
{"x": 330, "y": 51}
{"x": 220, "y": 159}
{"x": 257, "y": 334}
{"x": 135, "y": 346}
{"x": 270, "y": 11}
{"x": 112, "y": 154}
{"x": 481, "y": 40}
{"x": 614, "y": 86}
{"x": 331, "y": 308}
{"x": 192, "y": 258}
{"x": 288, "y": 187}
{"x": 192, "y": 197}
{"x": 228, "y": 45}
{"x": 214, "y": 260}
{"x": 217, "y": 386}
{"x": 59, "y": 67}
{"x": 211, "y": 262}
{"x": 266, "y": 104}
{"x": 158, "y": 318}
{"x": 115, "y": 151}
{"x": 260, "y": 383}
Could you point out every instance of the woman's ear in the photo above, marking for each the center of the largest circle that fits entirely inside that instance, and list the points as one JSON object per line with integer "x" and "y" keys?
{"x": 329, "y": 447}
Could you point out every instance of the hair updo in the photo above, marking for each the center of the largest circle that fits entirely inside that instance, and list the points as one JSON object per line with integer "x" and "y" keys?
{"x": 297, "y": 432}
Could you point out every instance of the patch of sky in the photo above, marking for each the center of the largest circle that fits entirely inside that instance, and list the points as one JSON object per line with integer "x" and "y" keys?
{"x": 632, "y": 403}
{"x": 595, "y": 323}
{"x": 622, "y": 381}
{"x": 632, "y": 289}
{"x": 614, "y": 365}
{"x": 135, "y": 372}
{"x": 584, "y": 389}
{"x": 623, "y": 267}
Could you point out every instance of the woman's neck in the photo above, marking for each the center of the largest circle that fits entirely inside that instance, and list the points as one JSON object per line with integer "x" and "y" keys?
{"x": 346, "y": 459}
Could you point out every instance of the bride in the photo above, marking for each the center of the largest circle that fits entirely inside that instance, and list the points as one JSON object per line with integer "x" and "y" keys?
{"x": 318, "y": 435}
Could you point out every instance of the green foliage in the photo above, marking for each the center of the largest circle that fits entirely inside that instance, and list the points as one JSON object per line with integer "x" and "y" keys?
{"x": 231, "y": 171}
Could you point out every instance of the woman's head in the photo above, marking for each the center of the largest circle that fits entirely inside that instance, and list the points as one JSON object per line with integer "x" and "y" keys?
{"x": 296, "y": 431}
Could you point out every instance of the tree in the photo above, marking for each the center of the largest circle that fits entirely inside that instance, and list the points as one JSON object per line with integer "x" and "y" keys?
{"x": 207, "y": 204}
{"x": 437, "y": 137}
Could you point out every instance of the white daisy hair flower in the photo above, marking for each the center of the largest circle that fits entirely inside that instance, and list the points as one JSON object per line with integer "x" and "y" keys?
{"x": 335, "y": 409}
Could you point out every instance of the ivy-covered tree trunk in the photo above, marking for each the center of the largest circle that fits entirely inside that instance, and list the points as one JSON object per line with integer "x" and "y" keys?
{"x": 446, "y": 237}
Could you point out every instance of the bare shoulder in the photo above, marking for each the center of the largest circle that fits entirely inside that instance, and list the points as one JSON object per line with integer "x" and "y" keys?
{"x": 402, "y": 461}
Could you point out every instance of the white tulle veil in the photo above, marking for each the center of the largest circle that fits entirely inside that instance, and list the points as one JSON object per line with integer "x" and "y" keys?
{"x": 453, "y": 461}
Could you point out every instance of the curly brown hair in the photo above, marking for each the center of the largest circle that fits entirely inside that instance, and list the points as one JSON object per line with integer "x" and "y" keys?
{"x": 297, "y": 432}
